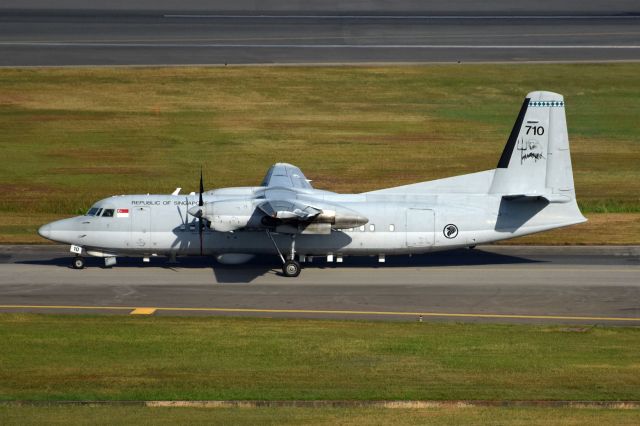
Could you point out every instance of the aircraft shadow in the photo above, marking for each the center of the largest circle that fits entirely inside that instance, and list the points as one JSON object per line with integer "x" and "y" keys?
{"x": 224, "y": 273}
{"x": 460, "y": 257}
{"x": 263, "y": 265}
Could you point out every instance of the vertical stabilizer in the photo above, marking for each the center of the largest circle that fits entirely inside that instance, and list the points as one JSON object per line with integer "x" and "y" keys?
{"x": 536, "y": 160}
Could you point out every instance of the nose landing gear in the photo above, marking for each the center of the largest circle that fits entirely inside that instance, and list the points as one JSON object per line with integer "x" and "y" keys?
{"x": 78, "y": 262}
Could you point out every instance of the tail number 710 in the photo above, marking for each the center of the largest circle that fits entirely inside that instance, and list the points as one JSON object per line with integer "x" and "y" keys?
{"x": 535, "y": 130}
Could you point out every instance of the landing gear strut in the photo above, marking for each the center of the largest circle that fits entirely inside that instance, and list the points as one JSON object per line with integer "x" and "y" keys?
{"x": 78, "y": 262}
{"x": 290, "y": 267}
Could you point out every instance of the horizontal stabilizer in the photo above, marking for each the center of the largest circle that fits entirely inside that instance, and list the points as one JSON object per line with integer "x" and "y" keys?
{"x": 552, "y": 198}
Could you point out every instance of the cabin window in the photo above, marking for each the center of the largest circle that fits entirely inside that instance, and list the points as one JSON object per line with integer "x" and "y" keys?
{"x": 392, "y": 227}
{"x": 362, "y": 228}
{"x": 92, "y": 211}
{"x": 372, "y": 227}
{"x": 107, "y": 213}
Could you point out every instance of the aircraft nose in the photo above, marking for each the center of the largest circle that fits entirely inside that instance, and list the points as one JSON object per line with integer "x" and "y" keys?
{"x": 45, "y": 231}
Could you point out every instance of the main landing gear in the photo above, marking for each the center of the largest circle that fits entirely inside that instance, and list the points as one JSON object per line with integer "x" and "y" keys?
{"x": 290, "y": 267}
{"x": 78, "y": 262}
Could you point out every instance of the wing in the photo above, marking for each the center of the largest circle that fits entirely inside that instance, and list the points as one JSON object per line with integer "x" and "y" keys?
{"x": 286, "y": 176}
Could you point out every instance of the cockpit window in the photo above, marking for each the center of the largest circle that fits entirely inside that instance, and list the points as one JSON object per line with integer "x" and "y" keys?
{"x": 92, "y": 211}
{"x": 107, "y": 213}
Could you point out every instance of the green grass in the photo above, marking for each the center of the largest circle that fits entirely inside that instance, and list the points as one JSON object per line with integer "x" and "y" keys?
{"x": 48, "y": 357}
{"x": 601, "y": 229}
{"x": 296, "y": 416}
{"x": 72, "y": 136}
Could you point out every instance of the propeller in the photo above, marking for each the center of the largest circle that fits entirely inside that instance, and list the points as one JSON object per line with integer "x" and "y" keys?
{"x": 200, "y": 204}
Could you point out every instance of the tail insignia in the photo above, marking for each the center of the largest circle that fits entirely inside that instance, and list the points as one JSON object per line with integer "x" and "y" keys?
{"x": 530, "y": 150}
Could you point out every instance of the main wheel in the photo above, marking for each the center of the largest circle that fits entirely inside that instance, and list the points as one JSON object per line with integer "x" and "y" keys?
{"x": 291, "y": 268}
{"x": 78, "y": 262}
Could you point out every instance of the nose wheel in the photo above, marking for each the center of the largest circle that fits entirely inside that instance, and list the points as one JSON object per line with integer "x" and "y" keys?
{"x": 78, "y": 262}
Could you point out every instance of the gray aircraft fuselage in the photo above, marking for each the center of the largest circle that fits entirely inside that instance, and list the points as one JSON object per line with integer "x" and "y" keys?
{"x": 530, "y": 191}
{"x": 398, "y": 224}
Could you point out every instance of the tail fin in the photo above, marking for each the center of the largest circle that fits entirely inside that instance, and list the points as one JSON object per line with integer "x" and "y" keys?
{"x": 536, "y": 160}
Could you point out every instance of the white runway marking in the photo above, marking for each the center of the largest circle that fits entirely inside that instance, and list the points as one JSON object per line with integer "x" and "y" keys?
{"x": 315, "y": 46}
{"x": 380, "y": 17}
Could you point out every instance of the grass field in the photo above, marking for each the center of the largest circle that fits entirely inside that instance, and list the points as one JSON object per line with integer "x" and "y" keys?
{"x": 51, "y": 357}
{"x": 296, "y": 416}
{"x": 72, "y": 136}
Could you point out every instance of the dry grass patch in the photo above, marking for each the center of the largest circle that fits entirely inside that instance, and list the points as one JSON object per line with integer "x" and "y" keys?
{"x": 73, "y": 415}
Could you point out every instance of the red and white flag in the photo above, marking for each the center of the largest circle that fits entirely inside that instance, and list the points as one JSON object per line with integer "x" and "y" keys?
{"x": 122, "y": 213}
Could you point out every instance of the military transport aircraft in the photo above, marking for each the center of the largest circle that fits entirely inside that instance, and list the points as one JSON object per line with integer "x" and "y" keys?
{"x": 531, "y": 190}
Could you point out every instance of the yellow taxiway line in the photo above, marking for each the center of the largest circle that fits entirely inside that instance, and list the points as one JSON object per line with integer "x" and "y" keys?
{"x": 151, "y": 310}
{"x": 143, "y": 311}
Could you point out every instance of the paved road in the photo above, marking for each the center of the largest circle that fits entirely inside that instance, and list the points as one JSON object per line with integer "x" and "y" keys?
{"x": 35, "y": 33}
{"x": 540, "y": 284}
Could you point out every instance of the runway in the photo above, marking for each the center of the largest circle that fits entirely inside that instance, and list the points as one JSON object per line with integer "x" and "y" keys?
{"x": 586, "y": 285}
{"x": 111, "y": 34}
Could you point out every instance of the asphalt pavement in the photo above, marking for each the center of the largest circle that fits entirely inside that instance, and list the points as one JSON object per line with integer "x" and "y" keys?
{"x": 593, "y": 285}
{"x": 38, "y": 34}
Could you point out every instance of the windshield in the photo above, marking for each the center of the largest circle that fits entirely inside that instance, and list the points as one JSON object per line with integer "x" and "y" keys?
{"x": 92, "y": 211}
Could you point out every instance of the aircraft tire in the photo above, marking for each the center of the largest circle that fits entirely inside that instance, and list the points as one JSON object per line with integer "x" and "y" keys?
{"x": 291, "y": 268}
{"x": 78, "y": 262}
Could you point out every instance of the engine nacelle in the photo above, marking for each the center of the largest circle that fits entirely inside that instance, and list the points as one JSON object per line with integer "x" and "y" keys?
{"x": 226, "y": 215}
{"x": 341, "y": 218}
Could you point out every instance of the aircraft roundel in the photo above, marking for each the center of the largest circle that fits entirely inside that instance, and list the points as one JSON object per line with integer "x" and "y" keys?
{"x": 450, "y": 231}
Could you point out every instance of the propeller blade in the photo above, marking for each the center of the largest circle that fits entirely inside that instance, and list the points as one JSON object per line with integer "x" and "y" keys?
{"x": 200, "y": 220}
{"x": 200, "y": 230}
{"x": 200, "y": 202}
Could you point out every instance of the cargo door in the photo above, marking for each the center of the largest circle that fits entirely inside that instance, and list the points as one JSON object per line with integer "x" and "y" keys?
{"x": 420, "y": 227}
